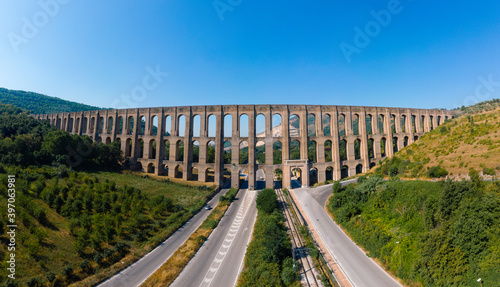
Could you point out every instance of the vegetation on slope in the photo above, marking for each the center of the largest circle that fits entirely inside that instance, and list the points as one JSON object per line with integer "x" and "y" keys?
{"x": 41, "y": 104}
{"x": 427, "y": 233}
{"x": 268, "y": 260}
{"x": 76, "y": 225}
{"x": 169, "y": 271}
{"x": 469, "y": 141}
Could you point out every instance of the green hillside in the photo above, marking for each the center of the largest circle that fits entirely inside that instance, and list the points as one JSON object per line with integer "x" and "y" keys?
{"x": 41, "y": 104}
{"x": 469, "y": 141}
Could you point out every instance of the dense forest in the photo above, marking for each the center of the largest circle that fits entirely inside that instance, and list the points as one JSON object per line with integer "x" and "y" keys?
{"x": 36, "y": 103}
{"x": 77, "y": 220}
{"x": 427, "y": 233}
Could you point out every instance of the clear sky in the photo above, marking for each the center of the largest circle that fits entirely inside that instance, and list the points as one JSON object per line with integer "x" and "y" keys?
{"x": 421, "y": 54}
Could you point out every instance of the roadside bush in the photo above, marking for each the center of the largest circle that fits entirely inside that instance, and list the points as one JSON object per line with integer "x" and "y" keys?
{"x": 437, "y": 172}
{"x": 267, "y": 201}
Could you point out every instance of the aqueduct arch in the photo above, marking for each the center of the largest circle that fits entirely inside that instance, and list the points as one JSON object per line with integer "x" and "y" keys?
{"x": 364, "y": 135}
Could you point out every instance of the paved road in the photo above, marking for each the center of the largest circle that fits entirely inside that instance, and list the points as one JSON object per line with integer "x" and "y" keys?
{"x": 220, "y": 259}
{"x": 138, "y": 272}
{"x": 358, "y": 267}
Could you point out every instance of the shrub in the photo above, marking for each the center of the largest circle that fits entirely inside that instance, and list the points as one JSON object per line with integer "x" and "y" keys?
{"x": 437, "y": 172}
{"x": 267, "y": 201}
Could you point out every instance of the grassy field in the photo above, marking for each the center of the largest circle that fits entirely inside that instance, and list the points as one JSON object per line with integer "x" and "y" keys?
{"x": 58, "y": 245}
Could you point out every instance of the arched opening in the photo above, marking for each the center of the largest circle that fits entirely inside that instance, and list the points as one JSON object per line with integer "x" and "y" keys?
{"x": 312, "y": 151}
{"x": 120, "y": 125}
{"x": 141, "y": 148}
{"x": 371, "y": 152}
{"x": 294, "y": 126}
{"x": 181, "y": 126}
{"x": 329, "y": 173}
{"x": 152, "y": 149}
{"x": 341, "y": 124}
{"x": 119, "y": 141}
{"x": 138, "y": 166}
{"x": 109, "y": 128}
{"x": 422, "y": 121}
{"x": 344, "y": 171}
{"x": 99, "y": 139}
{"x": 228, "y": 126}
{"x": 70, "y": 125}
{"x": 382, "y": 147}
{"x": 100, "y": 125}
{"x": 343, "y": 149}
{"x": 311, "y": 125}
{"x": 178, "y": 171}
{"x": 405, "y": 142}
{"x": 432, "y": 122}
{"x": 393, "y": 124}
{"x": 415, "y": 138}
{"x": 130, "y": 125}
{"x": 77, "y": 125}
{"x": 151, "y": 168}
{"x": 328, "y": 150}
{"x": 296, "y": 177}
{"x": 381, "y": 119}
{"x": 369, "y": 124}
{"x": 212, "y": 122}
{"x": 92, "y": 124}
{"x": 195, "y": 146}
{"x": 227, "y": 152}
{"x": 168, "y": 126}
{"x": 142, "y": 127}
{"x": 439, "y": 120}
{"x": 85, "y": 123}
{"x": 194, "y": 173}
{"x": 196, "y": 126}
{"x": 313, "y": 176}
{"x": 209, "y": 175}
{"x": 108, "y": 140}
{"x": 243, "y": 179}
{"x": 260, "y": 152}
{"x": 260, "y": 179}
{"x": 294, "y": 149}
{"x": 276, "y": 123}
{"x": 166, "y": 146}
{"x": 154, "y": 128}
{"x": 355, "y": 124}
{"x": 244, "y": 126}
{"x": 277, "y": 152}
{"x": 326, "y": 125}
{"x": 164, "y": 169}
{"x": 128, "y": 148}
{"x": 403, "y": 123}
{"x": 278, "y": 178}
{"x": 211, "y": 152}
{"x": 180, "y": 150}
{"x": 357, "y": 149}
{"x": 260, "y": 126}
{"x": 372, "y": 165}
{"x": 359, "y": 169}
{"x": 413, "y": 123}
{"x": 243, "y": 151}
{"x": 395, "y": 144}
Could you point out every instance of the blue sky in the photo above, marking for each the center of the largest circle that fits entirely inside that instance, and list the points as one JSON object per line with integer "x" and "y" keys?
{"x": 439, "y": 54}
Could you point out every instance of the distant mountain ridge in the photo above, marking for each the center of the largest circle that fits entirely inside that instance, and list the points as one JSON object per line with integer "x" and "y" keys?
{"x": 41, "y": 104}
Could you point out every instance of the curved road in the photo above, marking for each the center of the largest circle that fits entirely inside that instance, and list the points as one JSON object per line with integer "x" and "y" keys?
{"x": 358, "y": 267}
{"x": 137, "y": 273}
{"x": 220, "y": 259}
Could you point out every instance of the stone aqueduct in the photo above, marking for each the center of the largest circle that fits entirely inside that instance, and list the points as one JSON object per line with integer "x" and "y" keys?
{"x": 145, "y": 145}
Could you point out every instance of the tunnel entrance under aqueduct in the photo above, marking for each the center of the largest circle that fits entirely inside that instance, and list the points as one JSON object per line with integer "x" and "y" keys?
{"x": 311, "y": 143}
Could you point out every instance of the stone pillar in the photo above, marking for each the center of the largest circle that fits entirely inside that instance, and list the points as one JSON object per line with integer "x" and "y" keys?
{"x": 188, "y": 146}
{"x": 334, "y": 130}
{"x": 235, "y": 150}
{"x": 285, "y": 147}
{"x": 269, "y": 141}
{"x": 160, "y": 147}
{"x": 251, "y": 148}
{"x": 387, "y": 127}
{"x": 219, "y": 147}
{"x": 364, "y": 141}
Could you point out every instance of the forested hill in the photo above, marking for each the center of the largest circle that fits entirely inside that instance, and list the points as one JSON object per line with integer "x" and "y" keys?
{"x": 41, "y": 104}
